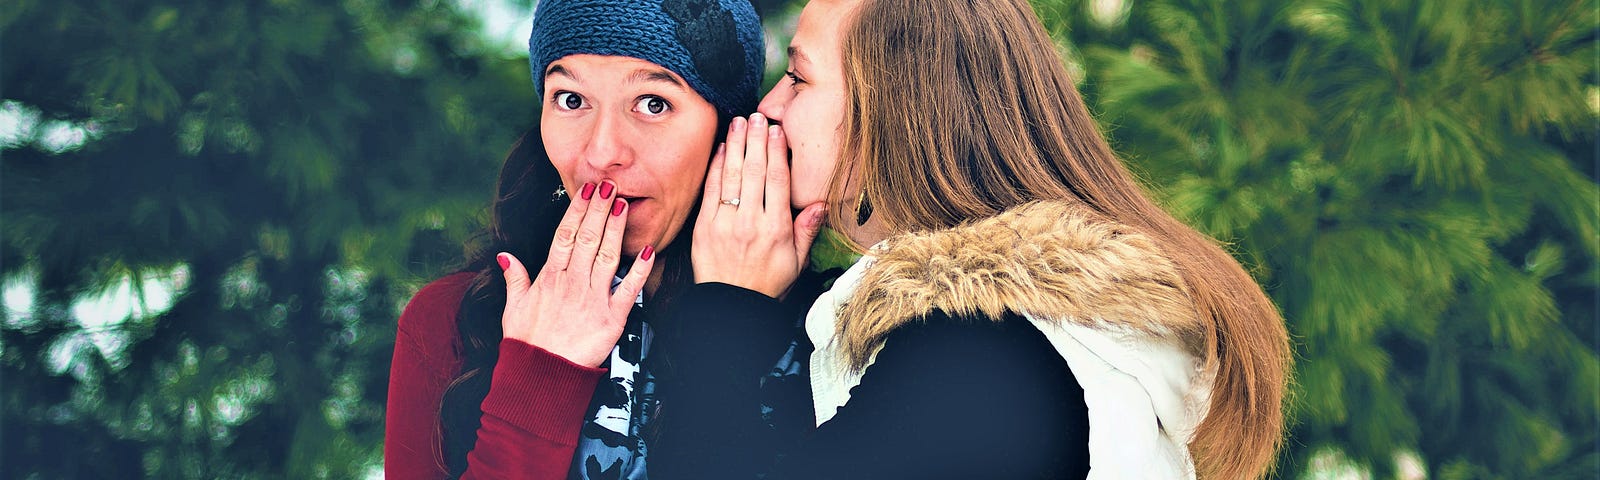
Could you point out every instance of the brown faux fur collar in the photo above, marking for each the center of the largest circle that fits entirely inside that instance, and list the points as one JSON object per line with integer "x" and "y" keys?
{"x": 1055, "y": 260}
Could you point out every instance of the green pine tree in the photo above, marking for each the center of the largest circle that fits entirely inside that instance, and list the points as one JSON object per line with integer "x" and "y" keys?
{"x": 1414, "y": 184}
{"x": 303, "y": 166}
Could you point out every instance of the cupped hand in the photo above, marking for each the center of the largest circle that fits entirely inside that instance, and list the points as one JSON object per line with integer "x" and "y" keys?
{"x": 746, "y": 234}
{"x": 569, "y": 308}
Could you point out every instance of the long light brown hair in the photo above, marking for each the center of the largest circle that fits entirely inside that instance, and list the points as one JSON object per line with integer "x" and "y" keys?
{"x": 962, "y": 109}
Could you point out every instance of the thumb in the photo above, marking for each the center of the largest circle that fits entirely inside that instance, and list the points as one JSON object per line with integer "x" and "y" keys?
{"x": 516, "y": 276}
{"x": 806, "y": 226}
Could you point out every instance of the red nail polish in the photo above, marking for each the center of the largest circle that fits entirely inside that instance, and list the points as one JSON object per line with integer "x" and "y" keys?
{"x": 588, "y": 190}
{"x": 505, "y": 261}
{"x": 645, "y": 255}
{"x": 616, "y": 207}
{"x": 606, "y": 188}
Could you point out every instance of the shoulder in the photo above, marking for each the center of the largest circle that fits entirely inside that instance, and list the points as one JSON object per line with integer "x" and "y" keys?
{"x": 431, "y": 313}
{"x": 441, "y": 295}
{"x": 991, "y": 349}
{"x": 990, "y": 368}
{"x": 1056, "y": 260}
{"x": 943, "y": 380}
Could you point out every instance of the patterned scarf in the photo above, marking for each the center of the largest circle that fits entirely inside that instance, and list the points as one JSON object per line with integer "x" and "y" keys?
{"x": 610, "y": 446}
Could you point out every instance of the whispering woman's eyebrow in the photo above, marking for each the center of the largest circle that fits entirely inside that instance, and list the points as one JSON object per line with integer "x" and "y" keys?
{"x": 797, "y": 56}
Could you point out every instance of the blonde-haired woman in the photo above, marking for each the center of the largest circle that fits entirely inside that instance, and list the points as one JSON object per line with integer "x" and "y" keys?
{"x": 1025, "y": 310}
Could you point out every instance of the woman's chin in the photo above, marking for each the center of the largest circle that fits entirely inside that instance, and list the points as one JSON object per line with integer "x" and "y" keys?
{"x": 631, "y": 246}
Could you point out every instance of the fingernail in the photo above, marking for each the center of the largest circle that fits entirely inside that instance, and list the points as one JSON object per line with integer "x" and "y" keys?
{"x": 588, "y": 191}
{"x": 737, "y": 125}
{"x": 757, "y": 119}
{"x": 504, "y": 259}
{"x": 645, "y": 255}
{"x": 774, "y": 131}
{"x": 617, "y": 206}
{"x": 721, "y": 147}
{"x": 606, "y": 188}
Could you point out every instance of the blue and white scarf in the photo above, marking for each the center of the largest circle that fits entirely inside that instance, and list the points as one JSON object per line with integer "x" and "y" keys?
{"x": 610, "y": 446}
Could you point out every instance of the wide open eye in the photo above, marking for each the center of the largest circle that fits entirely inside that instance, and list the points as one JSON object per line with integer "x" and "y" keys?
{"x": 652, "y": 105}
{"x": 568, "y": 101}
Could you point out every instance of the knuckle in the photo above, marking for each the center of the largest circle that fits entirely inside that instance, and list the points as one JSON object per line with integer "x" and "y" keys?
{"x": 565, "y": 233}
{"x": 588, "y": 237}
{"x": 778, "y": 177}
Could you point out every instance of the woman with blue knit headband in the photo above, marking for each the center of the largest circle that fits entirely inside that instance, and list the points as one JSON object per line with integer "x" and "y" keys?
{"x": 535, "y": 359}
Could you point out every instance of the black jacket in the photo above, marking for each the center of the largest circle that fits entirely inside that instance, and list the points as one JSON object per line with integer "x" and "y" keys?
{"x": 947, "y": 397}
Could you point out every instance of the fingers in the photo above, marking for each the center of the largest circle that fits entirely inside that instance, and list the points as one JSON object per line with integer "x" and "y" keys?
{"x": 733, "y": 161}
{"x": 567, "y": 231}
{"x": 591, "y": 230}
{"x": 713, "y": 193}
{"x": 516, "y": 275}
{"x": 754, "y": 175}
{"x": 777, "y": 196}
{"x": 806, "y": 227}
{"x": 605, "y": 260}
{"x": 622, "y": 299}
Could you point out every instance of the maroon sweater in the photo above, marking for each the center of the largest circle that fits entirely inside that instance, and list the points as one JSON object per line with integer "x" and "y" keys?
{"x": 531, "y": 416}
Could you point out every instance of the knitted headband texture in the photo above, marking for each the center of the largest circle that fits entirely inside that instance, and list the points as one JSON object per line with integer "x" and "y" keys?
{"x": 715, "y": 45}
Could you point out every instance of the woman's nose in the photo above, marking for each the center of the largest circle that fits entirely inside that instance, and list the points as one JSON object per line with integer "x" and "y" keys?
{"x": 776, "y": 101}
{"x": 607, "y": 147}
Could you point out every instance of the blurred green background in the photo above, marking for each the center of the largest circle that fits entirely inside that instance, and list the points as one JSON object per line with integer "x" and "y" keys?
{"x": 212, "y": 213}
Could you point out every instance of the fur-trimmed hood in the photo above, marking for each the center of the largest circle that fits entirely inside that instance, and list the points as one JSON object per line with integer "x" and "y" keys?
{"x": 1053, "y": 260}
{"x": 1110, "y": 303}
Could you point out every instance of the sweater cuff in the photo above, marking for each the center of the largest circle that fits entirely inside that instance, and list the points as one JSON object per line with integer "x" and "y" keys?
{"x": 540, "y": 392}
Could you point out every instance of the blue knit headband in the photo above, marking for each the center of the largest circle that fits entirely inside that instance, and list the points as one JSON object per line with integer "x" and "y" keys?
{"x": 715, "y": 45}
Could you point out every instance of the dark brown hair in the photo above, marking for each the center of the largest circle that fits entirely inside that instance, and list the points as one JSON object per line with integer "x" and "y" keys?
{"x": 961, "y": 109}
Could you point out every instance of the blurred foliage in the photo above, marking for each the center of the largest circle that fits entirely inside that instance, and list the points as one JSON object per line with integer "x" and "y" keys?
{"x": 1414, "y": 182}
{"x": 302, "y": 166}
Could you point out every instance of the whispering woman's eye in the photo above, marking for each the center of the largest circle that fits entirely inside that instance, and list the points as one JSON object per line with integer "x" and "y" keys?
{"x": 568, "y": 101}
{"x": 652, "y": 105}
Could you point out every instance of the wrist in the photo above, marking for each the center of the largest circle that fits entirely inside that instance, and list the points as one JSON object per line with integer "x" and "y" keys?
{"x": 590, "y": 357}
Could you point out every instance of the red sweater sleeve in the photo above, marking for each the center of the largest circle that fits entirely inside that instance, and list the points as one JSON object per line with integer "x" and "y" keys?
{"x": 531, "y": 416}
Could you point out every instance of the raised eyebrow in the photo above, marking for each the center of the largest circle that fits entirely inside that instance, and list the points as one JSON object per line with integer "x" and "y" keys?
{"x": 556, "y": 68}
{"x": 654, "y": 75}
